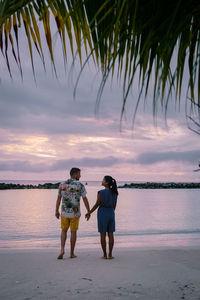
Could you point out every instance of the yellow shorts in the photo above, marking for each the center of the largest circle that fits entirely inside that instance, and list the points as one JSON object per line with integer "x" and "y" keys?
{"x": 69, "y": 222}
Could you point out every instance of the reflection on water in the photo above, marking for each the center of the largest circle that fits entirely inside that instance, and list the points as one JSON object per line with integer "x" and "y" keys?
{"x": 143, "y": 218}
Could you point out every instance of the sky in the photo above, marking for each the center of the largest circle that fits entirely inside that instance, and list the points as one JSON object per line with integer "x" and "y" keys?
{"x": 45, "y": 131}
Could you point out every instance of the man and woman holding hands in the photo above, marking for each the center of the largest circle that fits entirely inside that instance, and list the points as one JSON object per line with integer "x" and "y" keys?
{"x": 69, "y": 195}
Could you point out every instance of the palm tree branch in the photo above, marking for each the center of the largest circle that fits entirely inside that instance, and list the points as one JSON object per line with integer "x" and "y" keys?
{"x": 133, "y": 35}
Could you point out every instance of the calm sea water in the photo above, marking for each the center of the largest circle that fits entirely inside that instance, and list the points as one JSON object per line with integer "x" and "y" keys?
{"x": 144, "y": 218}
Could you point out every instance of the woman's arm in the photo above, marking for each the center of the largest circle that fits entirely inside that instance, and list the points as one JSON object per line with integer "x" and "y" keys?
{"x": 96, "y": 204}
{"x": 94, "y": 207}
{"x": 115, "y": 204}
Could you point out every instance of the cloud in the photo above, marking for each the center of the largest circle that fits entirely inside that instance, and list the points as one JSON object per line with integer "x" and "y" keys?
{"x": 85, "y": 162}
{"x": 51, "y": 109}
{"x": 71, "y": 130}
{"x": 148, "y": 158}
{"x": 26, "y": 166}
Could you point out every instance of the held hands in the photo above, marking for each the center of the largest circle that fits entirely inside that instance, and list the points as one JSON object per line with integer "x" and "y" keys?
{"x": 87, "y": 216}
{"x": 57, "y": 214}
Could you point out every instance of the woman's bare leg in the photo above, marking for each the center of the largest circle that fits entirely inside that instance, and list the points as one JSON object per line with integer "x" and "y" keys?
{"x": 111, "y": 244}
{"x": 103, "y": 244}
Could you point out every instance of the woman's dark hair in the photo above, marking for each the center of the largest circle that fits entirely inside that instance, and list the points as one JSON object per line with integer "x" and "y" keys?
{"x": 112, "y": 185}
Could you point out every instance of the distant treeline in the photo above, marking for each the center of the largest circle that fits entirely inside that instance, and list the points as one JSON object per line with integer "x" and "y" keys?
{"x": 144, "y": 185}
{"x": 162, "y": 185}
{"x": 13, "y": 186}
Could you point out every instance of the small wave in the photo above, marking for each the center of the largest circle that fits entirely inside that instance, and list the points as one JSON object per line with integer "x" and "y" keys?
{"x": 92, "y": 235}
{"x": 159, "y": 232}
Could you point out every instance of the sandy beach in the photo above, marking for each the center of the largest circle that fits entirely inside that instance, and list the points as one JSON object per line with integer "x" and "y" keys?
{"x": 133, "y": 274}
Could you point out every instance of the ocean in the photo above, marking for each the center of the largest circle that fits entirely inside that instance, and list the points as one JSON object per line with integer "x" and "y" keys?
{"x": 144, "y": 218}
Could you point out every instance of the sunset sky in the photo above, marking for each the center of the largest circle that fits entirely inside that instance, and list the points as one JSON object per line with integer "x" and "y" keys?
{"x": 44, "y": 131}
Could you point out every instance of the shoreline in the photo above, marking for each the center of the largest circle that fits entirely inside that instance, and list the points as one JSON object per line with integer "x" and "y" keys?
{"x": 118, "y": 249}
{"x": 143, "y": 242}
{"x": 144, "y": 185}
{"x": 151, "y": 274}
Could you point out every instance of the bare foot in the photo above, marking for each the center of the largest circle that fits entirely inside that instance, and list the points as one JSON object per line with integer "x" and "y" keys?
{"x": 60, "y": 256}
{"x": 73, "y": 256}
{"x": 110, "y": 257}
{"x": 104, "y": 256}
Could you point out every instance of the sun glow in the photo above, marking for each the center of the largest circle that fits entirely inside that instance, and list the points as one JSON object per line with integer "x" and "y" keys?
{"x": 88, "y": 139}
{"x": 179, "y": 173}
{"x": 31, "y": 145}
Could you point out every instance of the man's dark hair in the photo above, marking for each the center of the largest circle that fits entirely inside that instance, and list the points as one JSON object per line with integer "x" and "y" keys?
{"x": 74, "y": 171}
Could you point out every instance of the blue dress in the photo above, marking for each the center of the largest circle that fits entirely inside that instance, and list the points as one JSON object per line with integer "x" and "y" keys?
{"x": 106, "y": 212}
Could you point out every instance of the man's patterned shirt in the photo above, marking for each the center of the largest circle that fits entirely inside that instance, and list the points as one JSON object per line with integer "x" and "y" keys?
{"x": 71, "y": 191}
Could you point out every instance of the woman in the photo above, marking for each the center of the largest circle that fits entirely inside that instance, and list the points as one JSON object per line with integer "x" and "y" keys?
{"x": 106, "y": 203}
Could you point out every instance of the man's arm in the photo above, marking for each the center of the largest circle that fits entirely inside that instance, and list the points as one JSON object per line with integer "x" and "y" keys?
{"x": 57, "y": 214}
{"x": 87, "y": 206}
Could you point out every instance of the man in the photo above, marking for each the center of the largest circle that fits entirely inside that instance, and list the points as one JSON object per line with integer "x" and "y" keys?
{"x": 70, "y": 193}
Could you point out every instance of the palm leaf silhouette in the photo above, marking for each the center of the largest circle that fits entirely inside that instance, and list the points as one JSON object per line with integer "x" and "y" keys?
{"x": 158, "y": 39}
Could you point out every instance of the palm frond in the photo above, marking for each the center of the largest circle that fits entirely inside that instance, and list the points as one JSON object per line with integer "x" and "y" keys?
{"x": 130, "y": 36}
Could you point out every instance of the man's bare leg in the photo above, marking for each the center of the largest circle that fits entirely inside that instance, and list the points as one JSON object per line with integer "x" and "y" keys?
{"x": 111, "y": 244}
{"x": 103, "y": 244}
{"x": 73, "y": 243}
{"x": 63, "y": 238}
